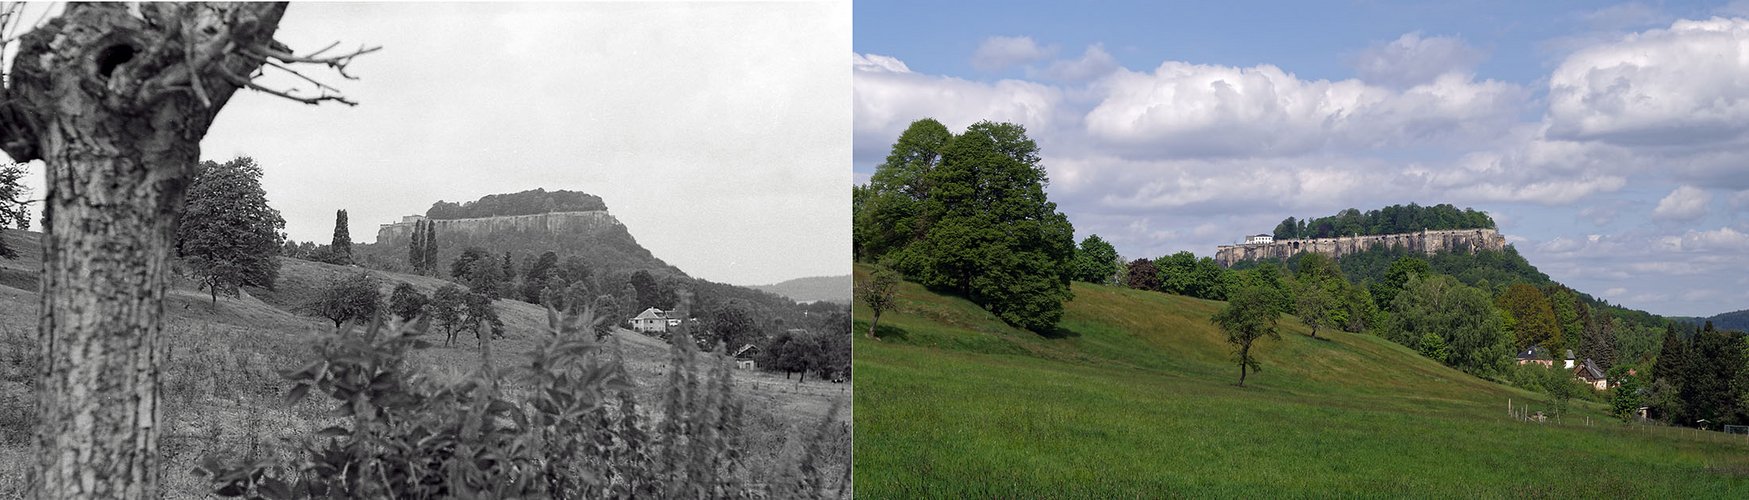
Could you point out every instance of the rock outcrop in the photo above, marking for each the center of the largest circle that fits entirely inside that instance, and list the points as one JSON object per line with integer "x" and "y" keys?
{"x": 594, "y": 235}
{"x": 1425, "y": 242}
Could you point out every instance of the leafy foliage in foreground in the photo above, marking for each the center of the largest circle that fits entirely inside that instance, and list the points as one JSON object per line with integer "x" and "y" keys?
{"x": 577, "y": 433}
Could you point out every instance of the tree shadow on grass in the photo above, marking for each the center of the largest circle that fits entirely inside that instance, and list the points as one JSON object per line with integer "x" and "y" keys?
{"x": 1057, "y": 332}
{"x": 886, "y": 332}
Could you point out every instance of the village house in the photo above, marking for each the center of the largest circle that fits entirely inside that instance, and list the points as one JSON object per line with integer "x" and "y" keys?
{"x": 652, "y": 320}
{"x": 1535, "y": 354}
{"x": 744, "y": 357}
{"x": 1589, "y": 373}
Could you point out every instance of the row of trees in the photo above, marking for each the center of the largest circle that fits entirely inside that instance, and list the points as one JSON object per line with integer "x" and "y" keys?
{"x": 1389, "y": 220}
{"x": 967, "y": 213}
{"x": 422, "y": 247}
{"x": 535, "y": 201}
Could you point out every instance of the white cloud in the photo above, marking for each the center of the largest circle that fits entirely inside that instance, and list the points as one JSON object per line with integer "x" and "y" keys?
{"x": 1678, "y": 86}
{"x": 1683, "y": 204}
{"x": 1412, "y": 60}
{"x": 1002, "y": 52}
{"x": 1190, "y": 110}
{"x": 1093, "y": 63}
{"x": 888, "y": 97}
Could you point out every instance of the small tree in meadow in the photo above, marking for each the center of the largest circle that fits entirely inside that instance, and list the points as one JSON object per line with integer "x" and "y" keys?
{"x": 406, "y": 302}
{"x": 350, "y": 297}
{"x": 1250, "y": 315}
{"x": 879, "y": 293}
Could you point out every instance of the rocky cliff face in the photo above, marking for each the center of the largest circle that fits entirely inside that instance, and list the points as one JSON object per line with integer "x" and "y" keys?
{"x": 595, "y": 235}
{"x": 1426, "y": 242}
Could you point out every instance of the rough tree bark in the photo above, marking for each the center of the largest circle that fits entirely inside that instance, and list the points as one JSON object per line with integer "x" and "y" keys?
{"x": 115, "y": 99}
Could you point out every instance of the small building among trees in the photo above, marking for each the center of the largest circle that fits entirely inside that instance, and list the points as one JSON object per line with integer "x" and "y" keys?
{"x": 652, "y": 320}
{"x": 1589, "y": 373}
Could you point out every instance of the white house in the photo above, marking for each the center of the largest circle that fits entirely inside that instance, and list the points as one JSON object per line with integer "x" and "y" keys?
{"x": 1259, "y": 238}
{"x": 652, "y": 320}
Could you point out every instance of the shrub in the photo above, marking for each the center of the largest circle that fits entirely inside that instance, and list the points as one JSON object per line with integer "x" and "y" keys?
{"x": 577, "y": 433}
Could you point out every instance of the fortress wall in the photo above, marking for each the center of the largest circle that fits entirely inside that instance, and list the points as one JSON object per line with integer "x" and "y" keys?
{"x": 588, "y": 222}
{"x": 1425, "y": 242}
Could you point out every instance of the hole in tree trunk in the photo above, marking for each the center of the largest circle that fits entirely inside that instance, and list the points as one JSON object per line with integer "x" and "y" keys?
{"x": 113, "y": 56}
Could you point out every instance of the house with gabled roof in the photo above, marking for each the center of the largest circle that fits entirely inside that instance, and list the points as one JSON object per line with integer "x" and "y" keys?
{"x": 1589, "y": 373}
{"x": 652, "y": 320}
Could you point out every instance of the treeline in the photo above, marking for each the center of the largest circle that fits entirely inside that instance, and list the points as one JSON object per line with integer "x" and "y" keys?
{"x": 535, "y": 201}
{"x": 1700, "y": 379}
{"x": 1389, "y": 220}
{"x": 967, "y": 214}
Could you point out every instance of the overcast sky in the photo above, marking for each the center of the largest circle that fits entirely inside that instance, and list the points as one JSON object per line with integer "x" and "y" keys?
{"x": 1610, "y": 142}
{"x": 716, "y": 132}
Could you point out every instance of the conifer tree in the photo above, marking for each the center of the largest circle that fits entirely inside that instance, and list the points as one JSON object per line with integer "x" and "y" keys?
{"x": 342, "y": 245}
{"x": 430, "y": 246}
{"x": 415, "y": 248}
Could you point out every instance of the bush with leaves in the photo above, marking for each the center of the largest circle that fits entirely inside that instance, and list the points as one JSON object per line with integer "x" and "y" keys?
{"x": 578, "y": 432}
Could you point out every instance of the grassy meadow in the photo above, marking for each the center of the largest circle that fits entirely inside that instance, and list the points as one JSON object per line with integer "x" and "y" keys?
{"x": 223, "y": 395}
{"x": 1135, "y": 396}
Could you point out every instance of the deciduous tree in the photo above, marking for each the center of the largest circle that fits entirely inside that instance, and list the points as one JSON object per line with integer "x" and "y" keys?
{"x": 229, "y": 236}
{"x": 1250, "y": 315}
{"x": 879, "y": 293}
{"x": 350, "y": 297}
{"x": 1096, "y": 261}
{"x": 14, "y": 205}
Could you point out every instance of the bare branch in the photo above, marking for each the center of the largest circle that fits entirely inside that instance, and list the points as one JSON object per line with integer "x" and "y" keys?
{"x": 338, "y": 62}
{"x": 319, "y": 85}
{"x": 286, "y": 94}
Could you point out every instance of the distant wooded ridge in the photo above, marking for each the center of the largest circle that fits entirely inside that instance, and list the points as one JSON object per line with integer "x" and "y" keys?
{"x": 1393, "y": 219}
{"x": 535, "y": 201}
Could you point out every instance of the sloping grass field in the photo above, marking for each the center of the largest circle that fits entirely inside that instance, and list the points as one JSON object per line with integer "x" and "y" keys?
{"x": 1135, "y": 396}
{"x": 223, "y": 395}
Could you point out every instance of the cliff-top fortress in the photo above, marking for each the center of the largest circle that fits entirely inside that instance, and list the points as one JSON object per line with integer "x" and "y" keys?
{"x": 587, "y": 222}
{"x": 1427, "y": 242}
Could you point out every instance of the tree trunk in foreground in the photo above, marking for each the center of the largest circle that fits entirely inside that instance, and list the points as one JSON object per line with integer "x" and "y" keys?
{"x": 871, "y": 324}
{"x": 115, "y": 104}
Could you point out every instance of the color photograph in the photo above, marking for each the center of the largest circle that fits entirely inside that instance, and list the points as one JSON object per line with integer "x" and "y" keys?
{"x": 1301, "y": 249}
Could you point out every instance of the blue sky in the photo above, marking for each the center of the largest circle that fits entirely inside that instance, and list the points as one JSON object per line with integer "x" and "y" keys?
{"x": 1611, "y": 141}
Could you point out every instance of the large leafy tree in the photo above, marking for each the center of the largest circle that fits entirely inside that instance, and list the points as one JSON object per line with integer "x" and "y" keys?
{"x": 972, "y": 217}
{"x": 1249, "y": 316}
{"x": 114, "y": 99}
{"x": 1533, "y": 318}
{"x": 1457, "y": 320}
{"x": 888, "y": 213}
{"x": 732, "y": 325}
{"x": 1142, "y": 275}
{"x": 1096, "y": 261}
{"x": 229, "y": 236}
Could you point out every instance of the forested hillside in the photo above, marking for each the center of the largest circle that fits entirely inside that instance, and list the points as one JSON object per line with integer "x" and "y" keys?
{"x": 1389, "y": 220}
{"x": 534, "y": 201}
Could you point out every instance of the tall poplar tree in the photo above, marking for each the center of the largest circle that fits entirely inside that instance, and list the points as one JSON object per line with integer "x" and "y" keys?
{"x": 342, "y": 245}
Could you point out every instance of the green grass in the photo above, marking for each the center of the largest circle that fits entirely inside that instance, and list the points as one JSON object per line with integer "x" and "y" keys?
{"x": 1136, "y": 397}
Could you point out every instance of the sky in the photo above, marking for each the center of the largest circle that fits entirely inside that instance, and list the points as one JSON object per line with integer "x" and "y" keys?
{"x": 716, "y": 132}
{"x": 1610, "y": 142}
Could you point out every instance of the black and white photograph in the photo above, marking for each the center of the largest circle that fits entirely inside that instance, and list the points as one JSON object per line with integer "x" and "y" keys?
{"x": 425, "y": 250}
